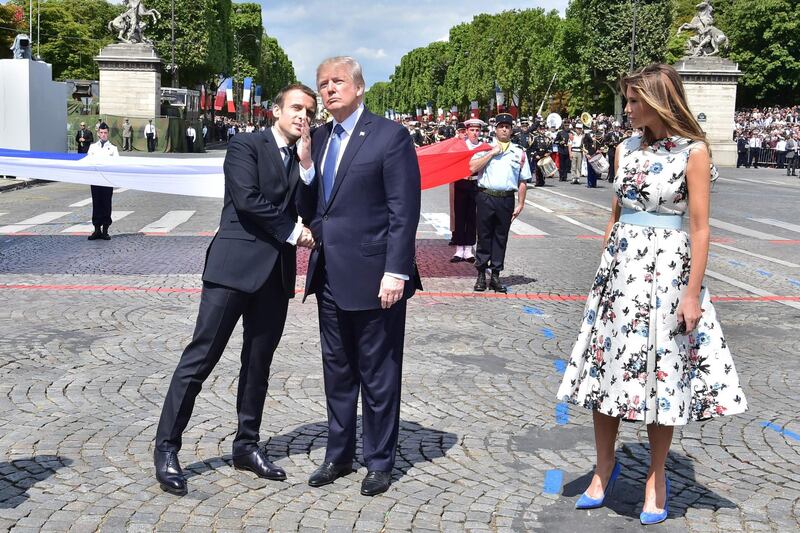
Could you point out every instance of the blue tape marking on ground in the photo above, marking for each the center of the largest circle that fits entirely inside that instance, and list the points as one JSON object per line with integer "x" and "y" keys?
{"x": 764, "y": 273}
{"x": 735, "y": 263}
{"x": 562, "y": 413}
{"x": 552, "y": 481}
{"x": 6, "y": 152}
{"x": 560, "y": 365}
{"x": 784, "y": 432}
{"x": 794, "y": 282}
{"x": 528, "y": 310}
{"x": 548, "y": 333}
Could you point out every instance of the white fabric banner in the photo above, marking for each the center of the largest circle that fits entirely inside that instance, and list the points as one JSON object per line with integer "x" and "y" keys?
{"x": 170, "y": 175}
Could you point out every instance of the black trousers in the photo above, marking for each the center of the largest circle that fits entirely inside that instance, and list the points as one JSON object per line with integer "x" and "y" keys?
{"x": 741, "y": 159}
{"x": 101, "y": 205}
{"x": 361, "y": 351}
{"x": 189, "y": 145}
{"x": 494, "y": 222}
{"x": 536, "y": 171}
{"x": 612, "y": 155}
{"x": 263, "y": 317}
{"x": 564, "y": 165}
{"x": 126, "y": 144}
{"x": 791, "y": 165}
{"x": 754, "y": 153}
{"x": 465, "y": 212}
{"x": 151, "y": 142}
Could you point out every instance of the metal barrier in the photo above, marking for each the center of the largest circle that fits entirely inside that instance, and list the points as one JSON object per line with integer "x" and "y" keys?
{"x": 767, "y": 157}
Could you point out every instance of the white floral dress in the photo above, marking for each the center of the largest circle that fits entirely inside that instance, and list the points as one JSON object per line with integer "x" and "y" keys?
{"x": 631, "y": 360}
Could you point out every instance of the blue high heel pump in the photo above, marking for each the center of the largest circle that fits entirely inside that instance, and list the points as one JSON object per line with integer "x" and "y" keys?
{"x": 586, "y": 502}
{"x": 648, "y": 519}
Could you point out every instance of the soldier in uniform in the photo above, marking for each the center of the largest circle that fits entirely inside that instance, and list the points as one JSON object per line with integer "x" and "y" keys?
{"x": 101, "y": 196}
{"x": 127, "y": 135}
{"x": 562, "y": 142}
{"x": 540, "y": 147}
{"x": 612, "y": 140}
{"x": 84, "y": 139}
{"x": 464, "y": 210}
{"x": 503, "y": 171}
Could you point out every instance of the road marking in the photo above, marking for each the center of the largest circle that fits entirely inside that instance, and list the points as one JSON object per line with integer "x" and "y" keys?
{"x": 750, "y": 288}
{"x": 764, "y": 257}
{"x": 540, "y": 207}
{"x": 440, "y": 222}
{"x": 581, "y": 224}
{"x": 780, "y": 430}
{"x": 82, "y": 203}
{"x": 562, "y": 413}
{"x": 778, "y": 223}
{"x": 553, "y": 480}
{"x": 44, "y": 218}
{"x": 1, "y": 214}
{"x": 599, "y": 206}
{"x": 88, "y": 227}
{"x": 548, "y": 333}
{"x": 528, "y": 310}
{"x": 121, "y": 189}
{"x": 735, "y": 228}
{"x": 521, "y": 228}
{"x": 168, "y": 222}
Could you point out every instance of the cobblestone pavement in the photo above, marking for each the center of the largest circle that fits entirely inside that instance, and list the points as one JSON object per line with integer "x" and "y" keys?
{"x": 92, "y": 331}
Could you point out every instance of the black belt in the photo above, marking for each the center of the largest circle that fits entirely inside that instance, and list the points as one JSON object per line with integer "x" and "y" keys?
{"x": 494, "y": 192}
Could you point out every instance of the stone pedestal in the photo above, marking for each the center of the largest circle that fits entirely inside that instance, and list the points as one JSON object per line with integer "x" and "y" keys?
{"x": 130, "y": 80}
{"x": 33, "y": 108}
{"x": 710, "y": 84}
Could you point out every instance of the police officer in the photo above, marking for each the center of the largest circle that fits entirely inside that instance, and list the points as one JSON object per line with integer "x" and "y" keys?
{"x": 502, "y": 172}
{"x": 84, "y": 139}
{"x": 464, "y": 210}
{"x": 540, "y": 147}
{"x": 101, "y": 196}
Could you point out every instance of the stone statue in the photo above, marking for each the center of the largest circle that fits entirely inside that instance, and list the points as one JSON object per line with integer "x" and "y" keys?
{"x": 21, "y": 49}
{"x": 709, "y": 39}
{"x": 131, "y": 23}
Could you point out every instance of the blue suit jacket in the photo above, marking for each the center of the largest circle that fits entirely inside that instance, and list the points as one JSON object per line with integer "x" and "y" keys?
{"x": 369, "y": 224}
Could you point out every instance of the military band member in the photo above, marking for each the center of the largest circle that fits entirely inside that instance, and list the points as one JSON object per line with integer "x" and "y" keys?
{"x": 540, "y": 147}
{"x": 502, "y": 172}
{"x": 612, "y": 140}
{"x": 101, "y": 196}
{"x": 562, "y": 142}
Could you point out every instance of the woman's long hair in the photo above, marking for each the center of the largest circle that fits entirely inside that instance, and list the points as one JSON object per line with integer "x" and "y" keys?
{"x": 660, "y": 86}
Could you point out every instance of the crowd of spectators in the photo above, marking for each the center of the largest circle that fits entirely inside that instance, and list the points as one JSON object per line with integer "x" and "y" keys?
{"x": 768, "y": 137}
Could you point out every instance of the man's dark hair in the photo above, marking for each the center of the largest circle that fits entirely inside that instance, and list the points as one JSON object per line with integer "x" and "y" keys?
{"x": 295, "y": 87}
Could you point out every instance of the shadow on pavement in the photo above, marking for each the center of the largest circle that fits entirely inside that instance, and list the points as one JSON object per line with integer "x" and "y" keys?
{"x": 19, "y": 475}
{"x": 416, "y": 444}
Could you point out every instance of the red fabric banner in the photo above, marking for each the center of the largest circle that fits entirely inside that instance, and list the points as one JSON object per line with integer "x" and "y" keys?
{"x": 445, "y": 162}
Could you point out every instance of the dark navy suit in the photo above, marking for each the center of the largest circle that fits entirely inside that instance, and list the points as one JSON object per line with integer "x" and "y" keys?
{"x": 249, "y": 273}
{"x": 365, "y": 229}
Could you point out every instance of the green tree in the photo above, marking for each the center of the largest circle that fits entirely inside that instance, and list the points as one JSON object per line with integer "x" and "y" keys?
{"x": 764, "y": 41}
{"x": 11, "y": 20}
{"x": 376, "y": 98}
{"x": 247, "y": 31}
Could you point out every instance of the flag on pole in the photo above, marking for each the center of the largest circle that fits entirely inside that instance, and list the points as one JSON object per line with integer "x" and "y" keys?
{"x": 229, "y": 95}
{"x": 202, "y": 97}
{"x": 221, "y": 91}
{"x": 248, "y": 84}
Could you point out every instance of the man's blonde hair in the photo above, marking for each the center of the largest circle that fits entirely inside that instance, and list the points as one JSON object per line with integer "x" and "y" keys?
{"x": 352, "y": 65}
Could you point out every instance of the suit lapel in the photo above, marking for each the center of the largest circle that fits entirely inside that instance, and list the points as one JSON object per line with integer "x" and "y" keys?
{"x": 357, "y": 138}
{"x": 318, "y": 144}
{"x": 275, "y": 155}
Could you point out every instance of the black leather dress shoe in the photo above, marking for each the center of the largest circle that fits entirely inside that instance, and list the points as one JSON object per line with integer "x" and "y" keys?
{"x": 480, "y": 283}
{"x": 495, "y": 285}
{"x": 257, "y": 462}
{"x": 456, "y": 259}
{"x": 328, "y": 473}
{"x": 375, "y": 483}
{"x": 169, "y": 473}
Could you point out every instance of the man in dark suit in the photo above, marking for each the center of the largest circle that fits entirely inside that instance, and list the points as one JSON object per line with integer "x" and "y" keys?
{"x": 249, "y": 273}
{"x": 364, "y": 203}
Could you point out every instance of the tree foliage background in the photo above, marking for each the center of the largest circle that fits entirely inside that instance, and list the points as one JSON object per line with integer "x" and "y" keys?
{"x": 588, "y": 50}
{"x": 213, "y": 39}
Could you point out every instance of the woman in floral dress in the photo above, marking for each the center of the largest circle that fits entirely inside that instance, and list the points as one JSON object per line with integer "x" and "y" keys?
{"x": 650, "y": 347}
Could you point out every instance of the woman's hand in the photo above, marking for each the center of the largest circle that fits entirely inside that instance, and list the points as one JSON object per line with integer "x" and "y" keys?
{"x": 689, "y": 312}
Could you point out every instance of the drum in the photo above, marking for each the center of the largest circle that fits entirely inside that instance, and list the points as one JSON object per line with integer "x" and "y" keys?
{"x": 547, "y": 167}
{"x": 599, "y": 163}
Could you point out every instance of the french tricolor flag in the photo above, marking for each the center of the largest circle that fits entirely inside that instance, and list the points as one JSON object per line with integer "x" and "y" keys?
{"x": 248, "y": 84}
{"x": 220, "y": 100}
{"x": 229, "y": 95}
{"x": 257, "y": 101}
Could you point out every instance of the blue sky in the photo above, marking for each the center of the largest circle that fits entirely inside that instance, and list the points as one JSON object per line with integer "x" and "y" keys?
{"x": 376, "y": 32}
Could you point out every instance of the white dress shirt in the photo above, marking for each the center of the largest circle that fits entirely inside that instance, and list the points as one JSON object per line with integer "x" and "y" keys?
{"x": 281, "y": 143}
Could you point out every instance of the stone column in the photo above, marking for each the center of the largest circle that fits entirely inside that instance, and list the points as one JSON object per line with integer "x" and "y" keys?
{"x": 130, "y": 80}
{"x": 710, "y": 84}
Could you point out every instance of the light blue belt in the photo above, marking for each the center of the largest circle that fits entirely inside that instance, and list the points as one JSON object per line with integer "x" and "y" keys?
{"x": 648, "y": 219}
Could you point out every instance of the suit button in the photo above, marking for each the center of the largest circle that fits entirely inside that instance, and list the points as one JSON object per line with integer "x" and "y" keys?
{"x": 324, "y": 217}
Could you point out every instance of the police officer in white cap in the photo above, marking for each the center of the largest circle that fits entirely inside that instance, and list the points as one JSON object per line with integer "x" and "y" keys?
{"x": 502, "y": 173}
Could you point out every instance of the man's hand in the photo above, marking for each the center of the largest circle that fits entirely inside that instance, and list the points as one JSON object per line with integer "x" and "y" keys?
{"x": 517, "y": 211}
{"x": 304, "y": 146}
{"x": 306, "y": 239}
{"x": 391, "y": 291}
{"x": 496, "y": 150}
